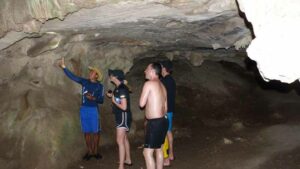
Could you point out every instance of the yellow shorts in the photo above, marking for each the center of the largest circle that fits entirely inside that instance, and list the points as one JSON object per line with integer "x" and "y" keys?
{"x": 166, "y": 148}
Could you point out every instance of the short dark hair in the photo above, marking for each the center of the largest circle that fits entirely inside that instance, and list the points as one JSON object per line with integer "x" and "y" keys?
{"x": 119, "y": 74}
{"x": 157, "y": 68}
{"x": 167, "y": 64}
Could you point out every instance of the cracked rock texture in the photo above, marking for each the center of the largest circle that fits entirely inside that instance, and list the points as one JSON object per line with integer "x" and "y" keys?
{"x": 39, "y": 104}
{"x": 184, "y": 23}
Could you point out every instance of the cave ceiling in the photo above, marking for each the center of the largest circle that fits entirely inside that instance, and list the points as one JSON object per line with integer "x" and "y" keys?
{"x": 162, "y": 25}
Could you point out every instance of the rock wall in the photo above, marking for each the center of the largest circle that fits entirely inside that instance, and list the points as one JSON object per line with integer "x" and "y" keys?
{"x": 275, "y": 47}
{"x": 39, "y": 112}
{"x": 39, "y": 105}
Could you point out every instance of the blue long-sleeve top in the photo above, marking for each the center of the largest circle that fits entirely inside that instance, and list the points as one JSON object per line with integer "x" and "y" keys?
{"x": 96, "y": 89}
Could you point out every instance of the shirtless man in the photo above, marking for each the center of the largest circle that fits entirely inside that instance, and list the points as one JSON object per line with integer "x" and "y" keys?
{"x": 154, "y": 97}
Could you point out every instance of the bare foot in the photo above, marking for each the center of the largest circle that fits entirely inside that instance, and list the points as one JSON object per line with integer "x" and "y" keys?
{"x": 171, "y": 157}
{"x": 167, "y": 162}
{"x": 128, "y": 162}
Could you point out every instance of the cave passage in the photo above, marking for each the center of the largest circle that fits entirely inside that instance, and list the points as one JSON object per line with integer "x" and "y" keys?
{"x": 226, "y": 115}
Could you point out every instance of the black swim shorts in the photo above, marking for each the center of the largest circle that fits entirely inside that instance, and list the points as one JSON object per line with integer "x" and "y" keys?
{"x": 123, "y": 120}
{"x": 156, "y": 131}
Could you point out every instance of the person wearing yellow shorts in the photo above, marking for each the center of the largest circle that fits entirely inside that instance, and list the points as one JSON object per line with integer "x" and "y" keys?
{"x": 166, "y": 153}
{"x": 170, "y": 85}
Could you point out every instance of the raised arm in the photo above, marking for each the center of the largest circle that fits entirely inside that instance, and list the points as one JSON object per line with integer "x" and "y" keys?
{"x": 69, "y": 73}
{"x": 145, "y": 94}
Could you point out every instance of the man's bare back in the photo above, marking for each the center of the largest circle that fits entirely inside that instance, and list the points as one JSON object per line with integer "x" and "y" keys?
{"x": 156, "y": 100}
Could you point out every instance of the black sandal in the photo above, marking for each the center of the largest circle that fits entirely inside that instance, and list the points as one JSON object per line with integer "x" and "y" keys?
{"x": 86, "y": 157}
{"x": 98, "y": 156}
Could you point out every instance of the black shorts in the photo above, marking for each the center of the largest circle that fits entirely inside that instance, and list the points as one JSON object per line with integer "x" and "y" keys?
{"x": 123, "y": 120}
{"x": 156, "y": 131}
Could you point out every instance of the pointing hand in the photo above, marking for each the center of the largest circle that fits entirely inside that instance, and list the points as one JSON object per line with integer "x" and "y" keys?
{"x": 62, "y": 63}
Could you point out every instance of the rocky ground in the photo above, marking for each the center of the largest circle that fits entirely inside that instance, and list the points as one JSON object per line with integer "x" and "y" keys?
{"x": 256, "y": 146}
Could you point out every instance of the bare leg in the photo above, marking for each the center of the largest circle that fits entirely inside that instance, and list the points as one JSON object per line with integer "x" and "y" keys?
{"x": 96, "y": 138}
{"x": 170, "y": 139}
{"x": 93, "y": 143}
{"x": 127, "y": 150}
{"x": 121, "y": 144}
{"x": 87, "y": 137}
{"x": 159, "y": 158}
{"x": 148, "y": 154}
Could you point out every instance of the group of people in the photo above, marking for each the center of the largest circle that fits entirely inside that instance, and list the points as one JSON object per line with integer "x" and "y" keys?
{"x": 158, "y": 99}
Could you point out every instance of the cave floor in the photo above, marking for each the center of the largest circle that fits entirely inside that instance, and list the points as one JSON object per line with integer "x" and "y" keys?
{"x": 251, "y": 130}
{"x": 260, "y": 145}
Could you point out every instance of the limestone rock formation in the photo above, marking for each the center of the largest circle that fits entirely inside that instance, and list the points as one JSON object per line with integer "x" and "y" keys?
{"x": 276, "y": 28}
{"x": 205, "y": 23}
{"x": 39, "y": 105}
{"x": 28, "y": 15}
